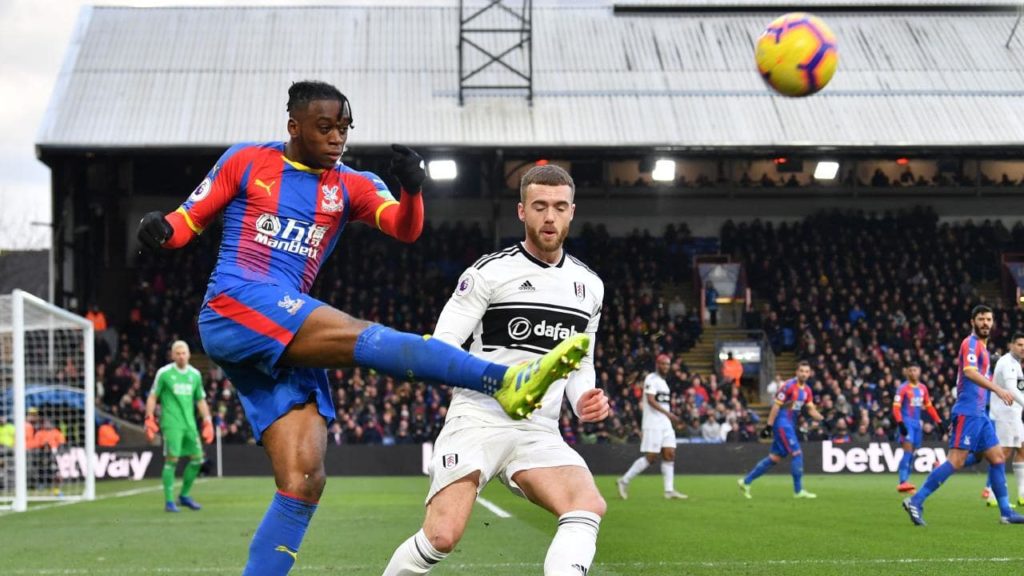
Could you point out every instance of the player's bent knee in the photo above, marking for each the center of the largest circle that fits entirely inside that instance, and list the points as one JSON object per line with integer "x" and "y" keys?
{"x": 597, "y": 505}
{"x": 308, "y": 486}
{"x": 444, "y": 538}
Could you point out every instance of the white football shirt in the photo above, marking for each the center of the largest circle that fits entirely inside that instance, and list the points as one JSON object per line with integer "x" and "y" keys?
{"x": 655, "y": 384}
{"x": 511, "y": 307}
{"x": 1008, "y": 375}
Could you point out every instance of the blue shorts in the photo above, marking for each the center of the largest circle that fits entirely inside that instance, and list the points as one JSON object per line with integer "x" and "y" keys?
{"x": 785, "y": 443}
{"x": 245, "y": 329}
{"x": 972, "y": 433}
{"x": 913, "y": 436}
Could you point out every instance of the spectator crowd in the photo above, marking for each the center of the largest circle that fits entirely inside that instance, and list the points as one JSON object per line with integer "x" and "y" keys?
{"x": 860, "y": 296}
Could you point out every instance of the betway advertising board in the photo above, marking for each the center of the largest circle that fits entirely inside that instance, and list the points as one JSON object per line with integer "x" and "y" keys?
{"x": 736, "y": 458}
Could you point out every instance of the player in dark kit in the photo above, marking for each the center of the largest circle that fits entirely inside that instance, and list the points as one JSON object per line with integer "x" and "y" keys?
{"x": 284, "y": 206}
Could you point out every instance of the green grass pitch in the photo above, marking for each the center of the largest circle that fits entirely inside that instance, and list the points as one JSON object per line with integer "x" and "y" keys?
{"x": 856, "y": 526}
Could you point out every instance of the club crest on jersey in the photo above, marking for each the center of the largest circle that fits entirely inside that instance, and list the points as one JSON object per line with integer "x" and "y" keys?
{"x": 581, "y": 290}
{"x": 449, "y": 461}
{"x": 331, "y": 201}
{"x": 290, "y": 304}
{"x": 293, "y": 236}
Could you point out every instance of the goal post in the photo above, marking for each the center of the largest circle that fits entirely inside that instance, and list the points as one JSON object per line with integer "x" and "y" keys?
{"x": 48, "y": 389}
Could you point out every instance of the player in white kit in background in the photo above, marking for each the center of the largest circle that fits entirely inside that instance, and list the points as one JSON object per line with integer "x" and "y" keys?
{"x": 659, "y": 435}
{"x": 513, "y": 306}
{"x": 1007, "y": 419}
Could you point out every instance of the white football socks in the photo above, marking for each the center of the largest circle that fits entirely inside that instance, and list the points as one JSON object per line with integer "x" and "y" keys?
{"x": 1018, "y": 473}
{"x": 415, "y": 556}
{"x": 668, "y": 475}
{"x": 572, "y": 550}
{"x": 639, "y": 466}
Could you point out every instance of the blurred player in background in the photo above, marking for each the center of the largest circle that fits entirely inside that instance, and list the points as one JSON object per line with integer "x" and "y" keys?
{"x": 659, "y": 434}
{"x": 790, "y": 398}
{"x": 178, "y": 388}
{"x": 1007, "y": 419}
{"x": 513, "y": 306}
{"x": 911, "y": 396}
{"x": 284, "y": 206}
{"x": 971, "y": 430}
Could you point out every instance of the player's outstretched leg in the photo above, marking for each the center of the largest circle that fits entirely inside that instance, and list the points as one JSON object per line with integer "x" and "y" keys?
{"x": 524, "y": 385}
{"x": 754, "y": 474}
{"x": 518, "y": 388}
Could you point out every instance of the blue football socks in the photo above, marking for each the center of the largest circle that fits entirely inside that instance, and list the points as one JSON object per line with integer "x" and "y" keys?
{"x": 935, "y": 479}
{"x": 796, "y": 468}
{"x": 275, "y": 546}
{"x": 405, "y": 355}
{"x": 905, "y": 465}
{"x": 997, "y": 478}
{"x": 758, "y": 470}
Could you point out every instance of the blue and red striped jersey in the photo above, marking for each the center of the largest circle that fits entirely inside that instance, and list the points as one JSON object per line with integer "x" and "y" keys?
{"x": 910, "y": 399}
{"x": 971, "y": 399}
{"x": 281, "y": 219}
{"x": 791, "y": 398}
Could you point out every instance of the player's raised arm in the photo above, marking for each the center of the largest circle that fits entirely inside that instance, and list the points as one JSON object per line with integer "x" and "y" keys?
{"x": 178, "y": 228}
{"x": 373, "y": 203}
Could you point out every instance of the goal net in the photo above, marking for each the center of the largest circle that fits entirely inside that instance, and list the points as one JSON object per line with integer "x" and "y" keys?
{"x": 47, "y": 392}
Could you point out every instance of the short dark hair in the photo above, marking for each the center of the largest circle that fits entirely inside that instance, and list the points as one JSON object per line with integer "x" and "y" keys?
{"x": 301, "y": 93}
{"x": 803, "y": 363}
{"x": 980, "y": 309}
{"x": 914, "y": 365}
{"x": 545, "y": 175}
{"x": 1016, "y": 336}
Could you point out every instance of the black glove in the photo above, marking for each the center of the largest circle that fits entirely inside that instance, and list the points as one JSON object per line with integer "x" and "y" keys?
{"x": 154, "y": 230}
{"x": 903, "y": 429}
{"x": 940, "y": 429}
{"x": 767, "y": 431}
{"x": 407, "y": 166}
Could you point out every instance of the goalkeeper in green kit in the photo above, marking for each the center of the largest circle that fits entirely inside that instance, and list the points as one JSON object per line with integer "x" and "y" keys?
{"x": 179, "y": 389}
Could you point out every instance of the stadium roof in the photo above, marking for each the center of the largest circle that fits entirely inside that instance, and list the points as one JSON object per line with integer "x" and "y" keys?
{"x": 209, "y": 77}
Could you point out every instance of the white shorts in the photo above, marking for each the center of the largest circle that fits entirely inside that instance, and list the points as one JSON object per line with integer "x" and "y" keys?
{"x": 466, "y": 447}
{"x": 654, "y": 439}
{"x": 1010, "y": 433}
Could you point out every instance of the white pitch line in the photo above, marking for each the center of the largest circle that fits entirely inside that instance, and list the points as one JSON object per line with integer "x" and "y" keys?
{"x": 497, "y": 510}
{"x": 121, "y": 494}
{"x": 300, "y": 568}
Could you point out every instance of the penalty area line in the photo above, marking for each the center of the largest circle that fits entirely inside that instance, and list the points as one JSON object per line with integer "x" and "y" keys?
{"x": 497, "y": 510}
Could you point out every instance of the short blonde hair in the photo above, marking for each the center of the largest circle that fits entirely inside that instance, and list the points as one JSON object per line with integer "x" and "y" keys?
{"x": 180, "y": 344}
{"x": 546, "y": 175}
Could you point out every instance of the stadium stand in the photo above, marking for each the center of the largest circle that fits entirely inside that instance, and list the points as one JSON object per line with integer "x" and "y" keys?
{"x": 862, "y": 295}
{"x": 858, "y": 295}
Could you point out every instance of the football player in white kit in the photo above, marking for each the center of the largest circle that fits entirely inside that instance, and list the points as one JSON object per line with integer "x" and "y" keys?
{"x": 659, "y": 435}
{"x": 513, "y": 306}
{"x": 1009, "y": 426}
